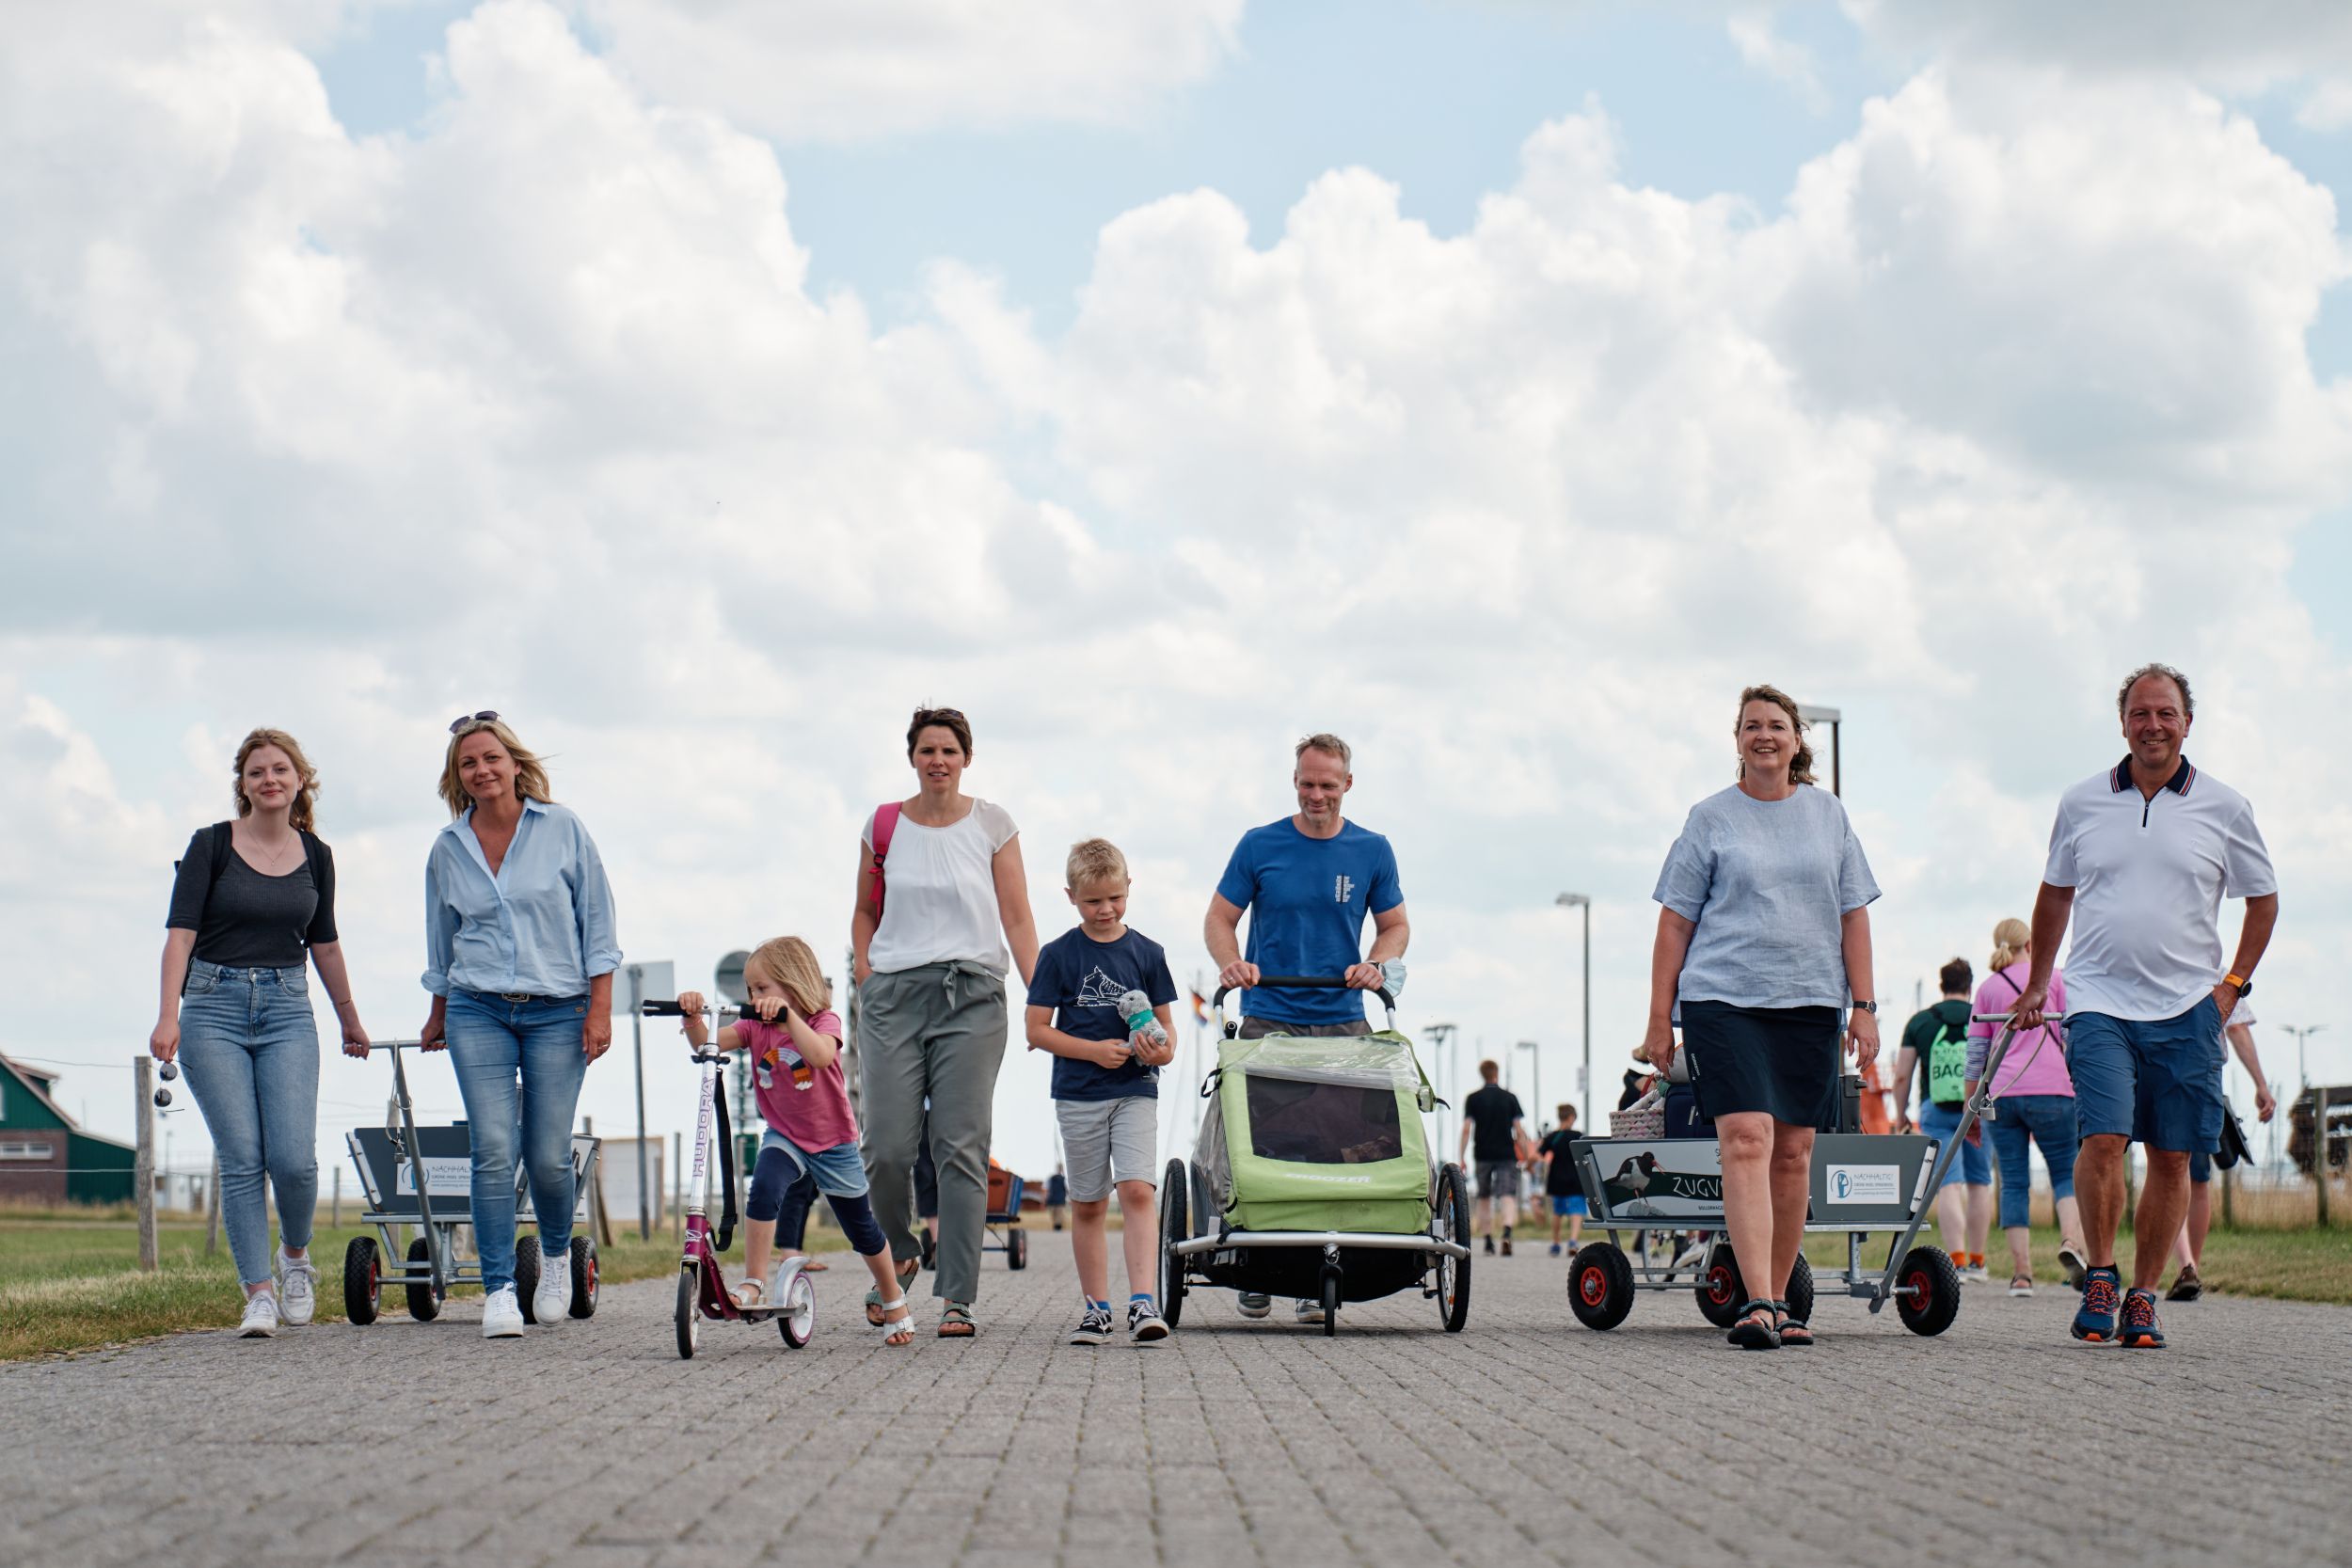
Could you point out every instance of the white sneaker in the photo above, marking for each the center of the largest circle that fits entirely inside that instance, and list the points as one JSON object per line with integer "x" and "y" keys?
{"x": 1253, "y": 1303}
{"x": 503, "y": 1315}
{"x": 551, "y": 1303}
{"x": 1310, "y": 1311}
{"x": 297, "y": 1281}
{"x": 261, "y": 1316}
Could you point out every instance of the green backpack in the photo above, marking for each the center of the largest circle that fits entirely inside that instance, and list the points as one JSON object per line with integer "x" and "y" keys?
{"x": 1948, "y": 1067}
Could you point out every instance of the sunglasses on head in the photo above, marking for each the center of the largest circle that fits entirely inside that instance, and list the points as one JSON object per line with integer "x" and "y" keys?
{"x": 484, "y": 716}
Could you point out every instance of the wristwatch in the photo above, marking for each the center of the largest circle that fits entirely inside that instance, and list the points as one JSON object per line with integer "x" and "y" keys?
{"x": 2244, "y": 985}
{"x": 1871, "y": 1008}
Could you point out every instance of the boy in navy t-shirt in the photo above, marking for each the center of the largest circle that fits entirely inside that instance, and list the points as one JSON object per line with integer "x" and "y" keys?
{"x": 1106, "y": 1083}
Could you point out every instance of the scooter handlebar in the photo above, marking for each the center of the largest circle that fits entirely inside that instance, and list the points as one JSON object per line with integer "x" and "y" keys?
{"x": 669, "y": 1009}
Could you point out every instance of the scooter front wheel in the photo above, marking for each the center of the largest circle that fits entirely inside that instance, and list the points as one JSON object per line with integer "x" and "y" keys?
{"x": 690, "y": 1318}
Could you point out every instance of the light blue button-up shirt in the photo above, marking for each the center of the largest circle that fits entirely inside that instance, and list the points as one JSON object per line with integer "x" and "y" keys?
{"x": 543, "y": 926}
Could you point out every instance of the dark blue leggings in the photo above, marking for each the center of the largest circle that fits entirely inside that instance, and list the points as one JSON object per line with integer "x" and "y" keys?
{"x": 777, "y": 1179}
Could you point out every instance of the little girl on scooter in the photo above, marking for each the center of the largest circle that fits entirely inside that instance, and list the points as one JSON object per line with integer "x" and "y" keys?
{"x": 795, "y": 1038}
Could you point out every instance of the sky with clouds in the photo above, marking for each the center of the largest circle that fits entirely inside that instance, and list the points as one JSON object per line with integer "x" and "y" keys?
{"x": 1502, "y": 386}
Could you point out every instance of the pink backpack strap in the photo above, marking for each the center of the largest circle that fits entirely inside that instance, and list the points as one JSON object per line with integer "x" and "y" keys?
{"x": 885, "y": 824}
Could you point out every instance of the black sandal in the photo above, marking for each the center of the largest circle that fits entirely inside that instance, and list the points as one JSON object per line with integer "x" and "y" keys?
{"x": 1793, "y": 1331}
{"x": 1750, "y": 1335}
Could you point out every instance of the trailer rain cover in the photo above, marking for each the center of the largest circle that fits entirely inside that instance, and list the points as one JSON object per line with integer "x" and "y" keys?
{"x": 1322, "y": 1123}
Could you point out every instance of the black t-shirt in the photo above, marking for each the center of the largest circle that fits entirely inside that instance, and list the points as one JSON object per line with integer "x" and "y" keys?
{"x": 1491, "y": 1111}
{"x": 1560, "y": 1176}
{"x": 1920, "y": 1033}
{"x": 245, "y": 920}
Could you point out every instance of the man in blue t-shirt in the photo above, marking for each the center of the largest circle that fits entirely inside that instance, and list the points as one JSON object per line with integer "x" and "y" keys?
{"x": 1308, "y": 882}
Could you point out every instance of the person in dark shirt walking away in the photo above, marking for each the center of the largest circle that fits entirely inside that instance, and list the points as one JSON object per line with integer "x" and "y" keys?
{"x": 1493, "y": 1133}
{"x": 1936, "y": 1041}
{"x": 1560, "y": 1183}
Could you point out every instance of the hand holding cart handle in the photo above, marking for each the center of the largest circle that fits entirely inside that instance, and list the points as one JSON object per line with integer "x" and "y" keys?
{"x": 1302, "y": 982}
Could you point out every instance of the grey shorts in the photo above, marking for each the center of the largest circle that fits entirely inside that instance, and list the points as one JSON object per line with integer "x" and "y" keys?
{"x": 1109, "y": 1140}
{"x": 1498, "y": 1179}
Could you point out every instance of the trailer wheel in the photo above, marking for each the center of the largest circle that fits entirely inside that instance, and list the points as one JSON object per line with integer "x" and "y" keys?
{"x": 363, "y": 1276}
{"x": 797, "y": 1323}
{"x": 1174, "y": 1227}
{"x": 1800, "y": 1289}
{"x": 1932, "y": 1300}
{"x": 1016, "y": 1248}
{"x": 1720, "y": 1290}
{"x": 1330, "y": 1302}
{"x": 527, "y": 1273}
{"x": 690, "y": 1323}
{"x": 1454, "y": 1274}
{"x": 423, "y": 1304}
{"x": 1600, "y": 1285}
{"x": 583, "y": 1277}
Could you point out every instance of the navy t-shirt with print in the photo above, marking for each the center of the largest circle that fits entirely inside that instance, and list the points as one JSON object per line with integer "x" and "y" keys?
{"x": 1308, "y": 900}
{"x": 1082, "y": 980}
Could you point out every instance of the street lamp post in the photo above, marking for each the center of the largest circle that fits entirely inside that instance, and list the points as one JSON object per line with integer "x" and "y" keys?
{"x": 1579, "y": 901}
{"x": 1535, "y": 1072}
{"x": 1440, "y": 1038}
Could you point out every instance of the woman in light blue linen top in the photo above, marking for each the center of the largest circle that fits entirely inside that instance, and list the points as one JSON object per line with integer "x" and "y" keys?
{"x": 1763, "y": 941}
{"x": 520, "y": 951}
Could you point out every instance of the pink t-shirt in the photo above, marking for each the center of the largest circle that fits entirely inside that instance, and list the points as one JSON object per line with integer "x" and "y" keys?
{"x": 2046, "y": 1073}
{"x": 816, "y": 1118}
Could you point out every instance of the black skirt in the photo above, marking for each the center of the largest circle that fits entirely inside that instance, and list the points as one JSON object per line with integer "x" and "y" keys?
{"x": 1783, "y": 1061}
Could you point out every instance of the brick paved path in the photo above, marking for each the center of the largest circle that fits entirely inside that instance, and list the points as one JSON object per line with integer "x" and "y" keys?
{"x": 1528, "y": 1438}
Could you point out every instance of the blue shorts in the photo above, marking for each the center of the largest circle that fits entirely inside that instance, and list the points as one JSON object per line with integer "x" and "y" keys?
{"x": 838, "y": 1171}
{"x": 2157, "y": 1081}
{"x": 1974, "y": 1162}
{"x": 1569, "y": 1203}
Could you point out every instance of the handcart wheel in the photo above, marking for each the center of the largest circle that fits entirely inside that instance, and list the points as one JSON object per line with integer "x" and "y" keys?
{"x": 1330, "y": 1302}
{"x": 1800, "y": 1289}
{"x": 1016, "y": 1248}
{"x": 1174, "y": 1227}
{"x": 1600, "y": 1285}
{"x": 690, "y": 1322}
{"x": 1930, "y": 1290}
{"x": 363, "y": 1276}
{"x": 1722, "y": 1291}
{"x": 1452, "y": 1224}
{"x": 798, "y": 1321}
{"x": 583, "y": 1277}
{"x": 422, "y": 1304}
{"x": 527, "y": 1273}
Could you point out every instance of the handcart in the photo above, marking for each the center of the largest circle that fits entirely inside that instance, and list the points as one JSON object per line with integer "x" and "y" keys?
{"x": 790, "y": 1298}
{"x": 1003, "y": 1232}
{"x": 388, "y": 1159}
{"x": 1313, "y": 1176}
{"x": 1862, "y": 1184}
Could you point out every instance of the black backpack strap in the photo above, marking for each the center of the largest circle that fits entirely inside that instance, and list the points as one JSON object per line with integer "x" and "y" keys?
{"x": 314, "y": 857}
{"x": 224, "y": 844}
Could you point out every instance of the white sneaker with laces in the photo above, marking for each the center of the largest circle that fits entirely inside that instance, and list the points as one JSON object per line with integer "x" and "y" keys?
{"x": 1253, "y": 1303}
{"x": 299, "y": 1284}
{"x": 503, "y": 1315}
{"x": 1310, "y": 1311}
{"x": 261, "y": 1316}
{"x": 551, "y": 1303}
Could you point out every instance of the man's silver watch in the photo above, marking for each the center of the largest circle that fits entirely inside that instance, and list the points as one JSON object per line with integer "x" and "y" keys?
{"x": 1871, "y": 1008}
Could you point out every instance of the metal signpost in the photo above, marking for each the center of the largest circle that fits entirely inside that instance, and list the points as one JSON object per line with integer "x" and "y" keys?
{"x": 642, "y": 983}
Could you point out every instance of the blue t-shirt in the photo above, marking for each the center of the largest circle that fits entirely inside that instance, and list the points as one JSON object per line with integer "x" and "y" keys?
{"x": 1308, "y": 900}
{"x": 1082, "y": 980}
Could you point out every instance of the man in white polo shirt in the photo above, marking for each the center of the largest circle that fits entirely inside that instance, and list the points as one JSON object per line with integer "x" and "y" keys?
{"x": 2141, "y": 857}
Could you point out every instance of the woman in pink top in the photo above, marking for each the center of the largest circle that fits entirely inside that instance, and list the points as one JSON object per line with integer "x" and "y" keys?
{"x": 794, "y": 1040}
{"x": 2036, "y": 1103}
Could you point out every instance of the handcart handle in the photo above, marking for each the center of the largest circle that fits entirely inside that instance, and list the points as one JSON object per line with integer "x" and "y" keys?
{"x": 1301, "y": 982}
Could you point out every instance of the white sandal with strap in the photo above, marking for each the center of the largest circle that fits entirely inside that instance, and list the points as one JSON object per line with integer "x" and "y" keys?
{"x": 904, "y": 1325}
{"x": 759, "y": 1295}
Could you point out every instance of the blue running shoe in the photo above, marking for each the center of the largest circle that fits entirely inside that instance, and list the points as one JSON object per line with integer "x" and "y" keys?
{"x": 2141, "y": 1331}
{"x": 2094, "y": 1320}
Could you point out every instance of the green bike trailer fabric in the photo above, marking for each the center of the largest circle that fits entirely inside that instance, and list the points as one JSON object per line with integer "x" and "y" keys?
{"x": 1318, "y": 1134}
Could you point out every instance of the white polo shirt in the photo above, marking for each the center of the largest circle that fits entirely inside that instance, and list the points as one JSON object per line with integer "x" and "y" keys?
{"x": 2149, "y": 876}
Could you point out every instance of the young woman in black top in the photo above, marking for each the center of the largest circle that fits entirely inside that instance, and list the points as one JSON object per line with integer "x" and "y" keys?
{"x": 255, "y": 895}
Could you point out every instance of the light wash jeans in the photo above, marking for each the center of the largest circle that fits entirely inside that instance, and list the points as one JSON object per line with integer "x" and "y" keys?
{"x": 251, "y": 1049}
{"x": 520, "y": 1066}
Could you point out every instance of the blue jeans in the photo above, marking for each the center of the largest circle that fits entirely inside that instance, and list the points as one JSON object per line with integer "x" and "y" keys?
{"x": 251, "y": 1049}
{"x": 520, "y": 1066}
{"x": 2048, "y": 1119}
{"x": 1972, "y": 1164}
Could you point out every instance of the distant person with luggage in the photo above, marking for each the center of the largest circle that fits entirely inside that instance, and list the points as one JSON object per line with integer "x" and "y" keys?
{"x": 520, "y": 948}
{"x": 941, "y": 895}
{"x": 253, "y": 899}
{"x": 2034, "y": 1097}
{"x": 1308, "y": 882}
{"x": 2190, "y": 1283}
{"x": 1935, "y": 1043}
{"x": 1763, "y": 942}
{"x": 2141, "y": 856}
{"x": 1493, "y": 1144}
{"x": 1561, "y": 1183}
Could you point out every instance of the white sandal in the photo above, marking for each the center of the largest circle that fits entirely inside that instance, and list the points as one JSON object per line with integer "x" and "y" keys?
{"x": 759, "y": 1288}
{"x": 904, "y": 1325}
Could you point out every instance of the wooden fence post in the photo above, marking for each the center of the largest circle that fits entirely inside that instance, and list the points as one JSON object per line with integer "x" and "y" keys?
{"x": 338, "y": 1211}
{"x": 143, "y": 1162}
{"x": 2319, "y": 1151}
